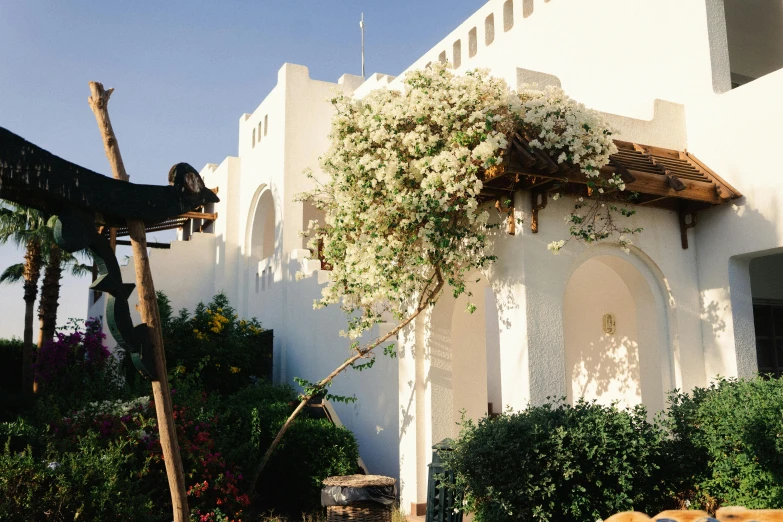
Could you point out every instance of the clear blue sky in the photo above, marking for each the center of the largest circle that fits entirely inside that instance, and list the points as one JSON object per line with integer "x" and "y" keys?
{"x": 184, "y": 72}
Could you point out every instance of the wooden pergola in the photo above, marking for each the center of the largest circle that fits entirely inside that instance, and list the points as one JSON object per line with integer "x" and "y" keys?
{"x": 653, "y": 176}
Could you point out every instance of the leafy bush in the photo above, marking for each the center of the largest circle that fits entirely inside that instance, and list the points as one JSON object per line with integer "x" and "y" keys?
{"x": 76, "y": 368}
{"x": 251, "y": 418}
{"x": 90, "y": 448}
{"x": 311, "y": 450}
{"x": 727, "y": 444}
{"x": 89, "y": 483}
{"x": 559, "y": 462}
{"x": 235, "y": 349}
{"x": 11, "y": 396}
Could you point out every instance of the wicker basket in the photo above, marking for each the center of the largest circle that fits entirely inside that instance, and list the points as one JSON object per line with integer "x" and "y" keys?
{"x": 364, "y": 511}
{"x": 361, "y": 511}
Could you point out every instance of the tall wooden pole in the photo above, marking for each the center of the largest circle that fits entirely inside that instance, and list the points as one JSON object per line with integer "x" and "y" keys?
{"x": 148, "y": 306}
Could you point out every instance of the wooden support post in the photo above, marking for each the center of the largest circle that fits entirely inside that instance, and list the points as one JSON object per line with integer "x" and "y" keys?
{"x": 536, "y": 206}
{"x": 148, "y": 306}
{"x": 685, "y": 225}
{"x": 511, "y": 227}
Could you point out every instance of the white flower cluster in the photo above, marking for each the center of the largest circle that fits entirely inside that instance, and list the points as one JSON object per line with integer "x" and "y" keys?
{"x": 555, "y": 246}
{"x": 405, "y": 170}
{"x": 567, "y": 129}
{"x": 118, "y": 407}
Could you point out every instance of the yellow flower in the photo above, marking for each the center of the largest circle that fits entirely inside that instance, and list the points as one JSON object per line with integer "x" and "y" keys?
{"x": 180, "y": 370}
{"x": 217, "y": 365}
{"x": 234, "y": 369}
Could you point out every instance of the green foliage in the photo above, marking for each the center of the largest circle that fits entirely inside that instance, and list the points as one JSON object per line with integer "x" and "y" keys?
{"x": 89, "y": 449}
{"x": 11, "y": 396}
{"x": 727, "y": 444}
{"x": 237, "y": 349}
{"x": 75, "y": 369}
{"x": 90, "y": 483}
{"x": 311, "y": 450}
{"x": 558, "y": 462}
{"x": 250, "y": 419}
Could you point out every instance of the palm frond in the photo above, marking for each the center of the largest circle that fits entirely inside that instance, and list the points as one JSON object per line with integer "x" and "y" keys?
{"x": 80, "y": 269}
{"x": 12, "y": 274}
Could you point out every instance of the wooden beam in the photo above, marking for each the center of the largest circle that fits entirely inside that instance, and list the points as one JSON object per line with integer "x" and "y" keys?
{"x": 725, "y": 191}
{"x": 536, "y": 206}
{"x": 646, "y": 183}
{"x": 509, "y": 211}
{"x": 685, "y": 225}
{"x": 150, "y": 244}
{"x": 649, "y": 201}
{"x": 199, "y": 215}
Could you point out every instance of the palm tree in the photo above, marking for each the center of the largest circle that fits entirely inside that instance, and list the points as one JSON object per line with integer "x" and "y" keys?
{"x": 29, "y": 227}
{"x": 56, "y": 261}
{"x": 24, "y": 227}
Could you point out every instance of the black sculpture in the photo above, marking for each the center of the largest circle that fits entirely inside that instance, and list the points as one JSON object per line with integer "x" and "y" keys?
{"x": 83, "y": 200}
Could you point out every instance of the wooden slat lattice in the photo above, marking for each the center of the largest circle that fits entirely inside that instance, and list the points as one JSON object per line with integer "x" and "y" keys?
{"x": 662, "y": 177}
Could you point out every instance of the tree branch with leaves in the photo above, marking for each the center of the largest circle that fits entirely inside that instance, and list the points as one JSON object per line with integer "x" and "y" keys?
{"x": 402, "y": 219}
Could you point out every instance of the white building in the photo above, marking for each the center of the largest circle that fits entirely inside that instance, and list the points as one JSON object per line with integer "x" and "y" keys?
{"x": 701, "y": 75}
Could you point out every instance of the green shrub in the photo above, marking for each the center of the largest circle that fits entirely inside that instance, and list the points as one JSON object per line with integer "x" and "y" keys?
{"x": 75, "y": 369}
{"x": 558, "y": 462}
{"x": 89, "y": 450}
{"x": 250, "y": 420}
{"x": 236, "y": 350}
{"x": 11, "y": 396}
{"x": 90, "y": 483}
{"x": 727, "y": 444}
{"x": 311, "y": 450}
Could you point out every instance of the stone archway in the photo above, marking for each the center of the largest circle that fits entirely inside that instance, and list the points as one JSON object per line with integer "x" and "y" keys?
{"x": 460, "y": 347}
{"x": 258, "y": 250}
{"x": 261, "y": 232}
{"x": 629, "y": 364}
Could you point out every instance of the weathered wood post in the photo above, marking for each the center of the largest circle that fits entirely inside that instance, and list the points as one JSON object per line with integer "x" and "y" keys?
{"x": 148, "y": 306}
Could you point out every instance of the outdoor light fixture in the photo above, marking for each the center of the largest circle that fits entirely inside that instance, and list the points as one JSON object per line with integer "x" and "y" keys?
{"x": 609, "y": 323}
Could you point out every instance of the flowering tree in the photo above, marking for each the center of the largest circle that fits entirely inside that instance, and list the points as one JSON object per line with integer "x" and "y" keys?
{"x": 403, "y": 218}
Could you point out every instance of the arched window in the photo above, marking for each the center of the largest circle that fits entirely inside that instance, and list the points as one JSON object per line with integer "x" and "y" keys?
{"x": 262, "y": 231}
{"x": 489, "y": 29}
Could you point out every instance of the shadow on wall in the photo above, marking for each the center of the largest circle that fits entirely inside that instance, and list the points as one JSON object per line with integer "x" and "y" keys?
{"x": 727, "y": 309}
{"x": 262, "y": 246}
{"x": 606, "y": 370}
{"x": 602, "y": 355}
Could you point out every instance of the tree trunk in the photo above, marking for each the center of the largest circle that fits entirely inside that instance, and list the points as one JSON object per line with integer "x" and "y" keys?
{"x": 50, "y": 295}
{"x": 148, "y": 307}
{"x": 32, "y": 273}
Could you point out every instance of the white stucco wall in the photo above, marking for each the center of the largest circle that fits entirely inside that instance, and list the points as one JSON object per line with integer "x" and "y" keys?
{"x": 730, "y": 132}
{"x": 601, "y": 366}
{"x": 659, "y": 78}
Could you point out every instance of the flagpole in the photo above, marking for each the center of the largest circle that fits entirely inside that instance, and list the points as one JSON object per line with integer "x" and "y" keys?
{"x": 361, "y": 24}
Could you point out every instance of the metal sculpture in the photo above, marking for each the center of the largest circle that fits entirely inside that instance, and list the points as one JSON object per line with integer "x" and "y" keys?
{"x": 84, "y": 200}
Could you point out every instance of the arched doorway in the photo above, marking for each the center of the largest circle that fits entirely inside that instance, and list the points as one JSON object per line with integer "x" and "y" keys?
{"x": 616, "y": 342}
{"x": 462, "y": 352}
{"x": 259, "y": 249}
{"x": 262, "y": 228}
